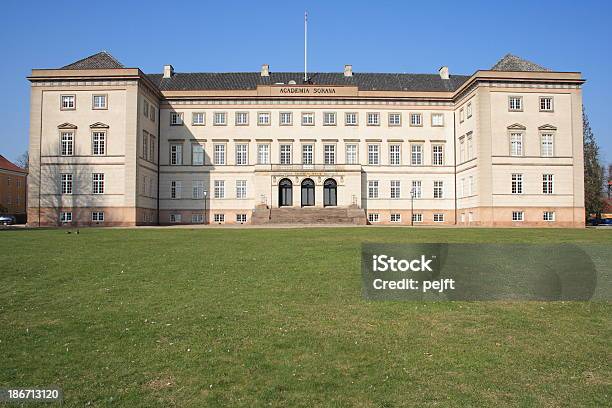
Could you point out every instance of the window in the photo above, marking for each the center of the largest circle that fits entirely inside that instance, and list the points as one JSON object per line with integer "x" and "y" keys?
{"x": 68, "y": 102}
{"x": 470, "y": 217}
{"x": 438, "y": 155}
{"x": 350, "y": 118}
{"x": 241, "y": 218}
{"x": 546, "y": 103}
{"x": 241, "y": 189}
{"x": 145, "y": 108}
{"x": 219, "y": 218}
{"x": 307, "y": 154}
{"x": 197, "y": 155}
{"x": 547, "y": 183}
{"x": 395, "y": 154}
{"x": 516, "y": 144}
{"x": 152, "y": 148}
{"x": 416, "y": 119}
{"x": 373, "y": 154}
{"x": 197, "y": 189}
{"x": 66, "y": 183}
{"x": 98, "y": 183}
{"x": 307, "y": 118}
{"x": 285, "y": 154}
{"x": 152, "y": 113}
{"x": 372, "y": 188}
{"x": 373, "y": 217}
{"x": 97, "y": 216}
{"x": 197, "y": 218}
{"x": 416, "y": 191}
{"x": 438, "y": 189}
{"x": 437, "y": 119}
{"x": 242, "y": 155}
{"x": 219, "y": 153}
{"x": 416, "y": 156}
{"x": 548, "y": 216}
{"x": 468, "y": 110}
{"x": 517, "y": 184}
{"x": 66, "y": 216}
{"x": 547, "y": 147}
{"x": 176, "y": 154}
{"x": 396, "y": 188}
{"x": 286, "y": 118}
{"x": 418, "y": 217}
{"x": 470, "y": 147}
{"x": 219, "y": 189}
{"x": 99, "y": 102}
{"x": 471, "y": 185}
{"x": 373, "y": 118}
{"x": 461, "y": 149}
{"x": 396, "y": 218}
{"x": 461, "y": 115}
{"x": 351, "y": 154}
{"x": 220, "y": 119}
{"x": 263, "y": 154}
{"x": 175, "y": 218}
{"x": 198, "y": 118}
{"x": 242, "y": 118}
{"x": 462, "y": 217}
{"x": 395, "y": 119}
{"x": 518, "y": 215}
{"x": 438, "y": 217}
{"x": 67, "y": 144}
{"x": 329, "y": 154}
{"x": 329, "y": 118}
{"x": 263, "y": 119}
{"x": 176, "y": 188}
{"x": 515, "y": 103}
{"x": 176, "y": 118}
{"x": 145, "y": 145}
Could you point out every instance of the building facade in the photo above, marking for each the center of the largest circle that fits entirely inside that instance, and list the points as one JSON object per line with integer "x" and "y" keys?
{"x": 13, "y": 189}
{"x": 111, "y": 145}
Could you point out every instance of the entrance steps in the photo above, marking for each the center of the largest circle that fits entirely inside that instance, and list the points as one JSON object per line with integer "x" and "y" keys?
{"x": 309, "y": 215}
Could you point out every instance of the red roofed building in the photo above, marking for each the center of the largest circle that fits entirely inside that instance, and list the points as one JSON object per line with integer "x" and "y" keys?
{"x": 13, "y": 190}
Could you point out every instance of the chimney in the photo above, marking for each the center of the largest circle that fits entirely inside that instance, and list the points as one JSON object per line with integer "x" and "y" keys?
{"x": 265, "y": 70}
{"x": 168, "y": 71}
{"x": 348, "y": 70}
{"x": 444, "y": 73}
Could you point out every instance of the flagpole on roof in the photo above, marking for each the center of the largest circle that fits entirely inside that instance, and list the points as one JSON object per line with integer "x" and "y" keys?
{"x": 305, "y": 46}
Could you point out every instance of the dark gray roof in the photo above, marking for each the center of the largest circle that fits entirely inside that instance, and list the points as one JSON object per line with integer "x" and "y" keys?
{"x": 250, "y": 80}
{"x": 101, "y": 60}
{"x": 511, "y": 62}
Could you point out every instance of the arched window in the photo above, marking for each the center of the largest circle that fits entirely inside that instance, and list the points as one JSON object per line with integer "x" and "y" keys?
{"x": 308, "y": 193}
{"x": 330, "y": 193}
{"x": 285, "y": 193}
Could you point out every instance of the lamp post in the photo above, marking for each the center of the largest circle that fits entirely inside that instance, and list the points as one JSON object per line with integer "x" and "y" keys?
{"x": 205, "y": 213}
{"x": 412, "y": 194}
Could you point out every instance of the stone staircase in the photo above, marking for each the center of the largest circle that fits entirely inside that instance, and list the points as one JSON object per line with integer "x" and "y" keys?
{"x": 309, "y": 215}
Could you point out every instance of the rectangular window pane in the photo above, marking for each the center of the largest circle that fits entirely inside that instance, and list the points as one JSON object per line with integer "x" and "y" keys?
{"x": 351, "y": 154}
{"x": 329, "y": 154}
{"x": 263, "y": 154}
{"x": 197, "y": 152}
{"x": 394, "y": 155}
{"x": 373, "y": 154}
{"x": 219, "y": 154}
{"x": 307, "y": 154}
{"x": 242, "y": 154}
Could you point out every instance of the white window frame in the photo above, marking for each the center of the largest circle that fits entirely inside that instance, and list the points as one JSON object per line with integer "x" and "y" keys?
{"x": 241, "y": 189}
{"x": 66, "y": 186}
{"x": 394, "y": 119}
{"x": 395, "y": 187}
{"x": 395, "y": 154}
{"x": 97, "y": 216}
{"x": 219, "y": 154}
{"x": 241, "y": 118}
{"x": 515, "y": 103}
{"x": 197, "y": 154}
{"x": 416, "y": 119}
{"x": 285, "y": 118}
{"x": 373, "y": 189}
{"x": 242, "y": 154}
{"x": 438, "y": 189}
{"x": 308, "y": 118}
{"x": 176, "y": 189}
{"x": 329, "y": 118}
{"x": 176, "y": 118}
{"x": 68, "y": 102}
{"x": 308, "y": 153}
{"x": 97, "y": 183}
{"x": 438, "y": 217}
{"x": 518, "y": 216}
{"x": 241, "y": 218}
{"x": 548, "y": 216}
{"x": 197, "y": 218}
{"x": 373, "y": 154}
{"x": 373, "y": 217}
{"x": 417, "y": 189}
{"x": 352, "y": 157}
{"x": 264, "y": 118}
{"x": 416, "y": 154}
{"x": 417, "y": 217}
{"x": 263, "y": 153}
{"x": 98, "y": 143}
{"x": 546, "y": 106}
{"x": 395, "y": 217}
{"x": 373, "y": 119}
{"x": 198, "y": 118}
{"x": 547, "y": 144}
{"x": 65, "y": 216}
{"x": 67, "y": 143}
{"x": 219, "y": 118}
{"x": 548, "y": 184}
{"x": 517, "y": 183}
{"x": 96, "y": 99}
{"x": 437, "y": 158}
{"x": 351, "y": 119}
{"x": 197, "y": 189}
{"x": 434, "y": 123}
{"x": 176, "y": 154}
{"x": 329, "y": 154}
{"x": 516, "y": 144}
{"x": 219, "y": 189}
{"x": 286, "y": 153}
{"x": 219, "y": 218}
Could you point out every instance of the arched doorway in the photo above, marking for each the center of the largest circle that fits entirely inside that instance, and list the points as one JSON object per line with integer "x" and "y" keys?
{"x": 285, "y": 193}
{"x": 308, "y": 193}
{"x": 330, "y": 193}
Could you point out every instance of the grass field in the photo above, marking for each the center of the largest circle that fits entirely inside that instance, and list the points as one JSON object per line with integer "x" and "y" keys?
{"x": 275, "y": 317}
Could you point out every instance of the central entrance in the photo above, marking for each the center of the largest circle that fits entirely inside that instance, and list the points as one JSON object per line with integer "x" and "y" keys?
{"x": 285, "y": 193}
{"x": 330, "y": 193}
{"x": 308, "y": 193}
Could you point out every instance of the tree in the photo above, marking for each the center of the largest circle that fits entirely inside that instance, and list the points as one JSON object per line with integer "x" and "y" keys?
{"x": 593, "y": 172}
{"x": 23, "y": 160}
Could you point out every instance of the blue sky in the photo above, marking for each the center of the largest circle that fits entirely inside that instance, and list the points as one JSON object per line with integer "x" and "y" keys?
{"x": 376, "y": 36}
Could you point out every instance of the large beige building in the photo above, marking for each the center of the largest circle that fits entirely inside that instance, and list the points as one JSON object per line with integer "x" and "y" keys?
{"x": 111, "y": 145}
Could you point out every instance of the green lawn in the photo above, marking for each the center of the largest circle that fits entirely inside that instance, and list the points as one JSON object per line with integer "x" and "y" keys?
{"x": 275, "y": 317}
